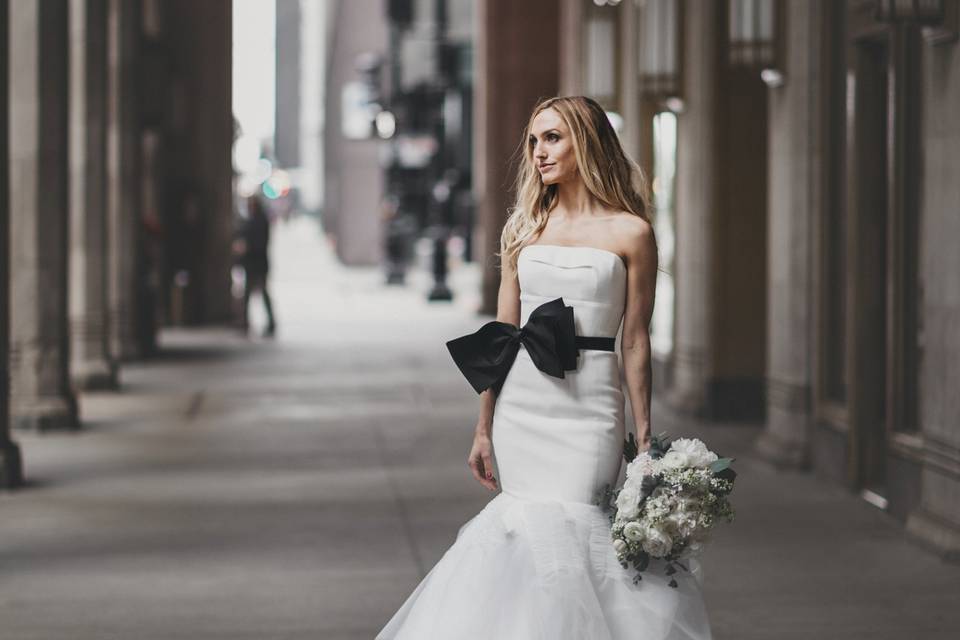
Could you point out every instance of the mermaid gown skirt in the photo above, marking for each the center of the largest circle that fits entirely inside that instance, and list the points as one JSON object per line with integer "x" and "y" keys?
{"x": 537, "y": 563}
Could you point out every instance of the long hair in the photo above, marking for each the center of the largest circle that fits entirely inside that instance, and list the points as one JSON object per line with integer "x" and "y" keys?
{"x": 616, "y": 181}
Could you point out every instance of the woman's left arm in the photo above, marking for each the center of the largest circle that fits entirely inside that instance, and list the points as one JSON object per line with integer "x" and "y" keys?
{"x": 635, "y": 341}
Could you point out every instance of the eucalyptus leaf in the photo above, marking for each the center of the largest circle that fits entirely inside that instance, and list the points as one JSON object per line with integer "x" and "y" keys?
{"x": 720, "y": 464}
{"x": 727, "y": 474}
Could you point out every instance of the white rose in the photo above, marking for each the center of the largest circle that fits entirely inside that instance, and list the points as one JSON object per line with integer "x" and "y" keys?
{"x": 633, "y": 531}
{"x": 619, "y": 545}
{"x": 675, "y": 460}
{"x": 642, "y": 465}
{"x": 696, "y": 451}
{"x": 656, "y": 542}
{"x": 628, "y": 502}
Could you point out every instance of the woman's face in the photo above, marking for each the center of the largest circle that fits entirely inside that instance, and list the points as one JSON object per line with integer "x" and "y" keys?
{"x": 552, "y": 148}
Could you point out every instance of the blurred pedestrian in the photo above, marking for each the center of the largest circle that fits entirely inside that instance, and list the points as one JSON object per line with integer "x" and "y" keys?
{"x": 255, "y": 246}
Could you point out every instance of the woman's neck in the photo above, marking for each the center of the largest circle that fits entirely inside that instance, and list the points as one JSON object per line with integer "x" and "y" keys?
{"x": 574, "y": 200}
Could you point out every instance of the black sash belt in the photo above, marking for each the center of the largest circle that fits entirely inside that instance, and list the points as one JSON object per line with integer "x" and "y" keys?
{"x": 485, "y": 356}
{"x": 596, "y": 343}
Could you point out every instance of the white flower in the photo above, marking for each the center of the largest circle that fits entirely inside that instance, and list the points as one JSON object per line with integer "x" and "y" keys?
{"x": 656, "y": 542}
{"x": 619, "y": 545}
{"x": 642, "y": 465}
{"x": 633, "y": 531}
{"x": 695, "y": 451}
{"x": 628, "y": 502}
{"x": 675, "y": 460}
{"x": 682, "y": 522}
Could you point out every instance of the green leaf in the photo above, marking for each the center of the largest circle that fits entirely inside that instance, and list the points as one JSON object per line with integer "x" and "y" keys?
{"x": 720, "y": 464}
{"x": 727, "y": 474}
{"x": 630, "y": 448}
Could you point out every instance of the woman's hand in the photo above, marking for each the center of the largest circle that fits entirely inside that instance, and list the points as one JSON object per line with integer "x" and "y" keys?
{"x": 480, "y": 461}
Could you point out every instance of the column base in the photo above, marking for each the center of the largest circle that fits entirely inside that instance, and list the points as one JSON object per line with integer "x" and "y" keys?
{"x": 11, "y": 465}
{"x": 780, "y": 453}
{"x": 935, "y": 533}
{"x": 96, "y": 375}
{"x": 45, "y": 414}
{"x": 686, "y": 401}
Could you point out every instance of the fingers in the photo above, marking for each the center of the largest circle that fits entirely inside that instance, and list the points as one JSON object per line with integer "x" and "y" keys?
{"x": 482, "y": 470}
{"x": 487, "y": 465}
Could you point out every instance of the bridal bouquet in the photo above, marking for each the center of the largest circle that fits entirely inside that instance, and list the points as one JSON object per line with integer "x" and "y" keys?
{"x": 673, "y": 495}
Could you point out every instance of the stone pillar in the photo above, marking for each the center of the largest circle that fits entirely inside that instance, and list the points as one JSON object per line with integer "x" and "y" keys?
{"x": 518, "y": 53}
{"x": 570, "y": 73}
{"x": 11, "y": 469}
{"x": 697, "y": 209}
{"x": 123, "y": 176}
{"x": 39, "y": 361}
{"x": 91, "y": 363}
{"x": 287, "y": 131}
{"x": 199, "y": 38}
{"x": 793, "y": 202}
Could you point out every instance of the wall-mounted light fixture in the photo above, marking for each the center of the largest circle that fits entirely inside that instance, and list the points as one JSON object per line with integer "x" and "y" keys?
{"x": 673, "y": 104}
{"x": 939, "y": 20}
{"x": 756, "y": 38}
{"x": 919, "y": 11}
{"x": 773, "y": 78}
{"x": 659, "y": 53}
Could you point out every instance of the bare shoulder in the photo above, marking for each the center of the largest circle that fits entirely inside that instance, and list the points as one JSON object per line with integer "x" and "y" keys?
{"x": 635, "y": 238}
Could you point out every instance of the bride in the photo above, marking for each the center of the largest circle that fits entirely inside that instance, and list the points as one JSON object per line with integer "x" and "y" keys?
{"x": 578, "y": 259}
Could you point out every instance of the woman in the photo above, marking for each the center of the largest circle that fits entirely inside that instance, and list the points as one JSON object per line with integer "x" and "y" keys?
{"x": 578, "y": 257}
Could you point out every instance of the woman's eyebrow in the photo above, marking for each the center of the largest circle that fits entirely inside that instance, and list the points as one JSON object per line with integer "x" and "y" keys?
{"x": 533, "y": 135}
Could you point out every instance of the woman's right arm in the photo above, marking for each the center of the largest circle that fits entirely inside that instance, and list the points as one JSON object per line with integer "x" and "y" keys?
{"x": 508, "y": 310}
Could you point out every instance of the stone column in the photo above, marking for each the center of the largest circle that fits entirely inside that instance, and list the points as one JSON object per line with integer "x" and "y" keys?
{"x": 571, "y": 32}
{"x": 198, "y": 37}
{"x": 793, "y": 201}
{"x": 697, "y": 209}
{"x": 518, "y": 57}
{"x": 39, "y": 361}
{"x": 91, "y": 363}
{"x": 11, "y": 470}
{"x": 123, "y": 175}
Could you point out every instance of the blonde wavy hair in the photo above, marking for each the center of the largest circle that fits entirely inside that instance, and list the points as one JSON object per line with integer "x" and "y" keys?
{"x": 616, "y": 181}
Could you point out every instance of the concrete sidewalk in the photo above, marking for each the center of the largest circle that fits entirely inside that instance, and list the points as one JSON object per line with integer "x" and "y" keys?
{"x": 301, "y": 488}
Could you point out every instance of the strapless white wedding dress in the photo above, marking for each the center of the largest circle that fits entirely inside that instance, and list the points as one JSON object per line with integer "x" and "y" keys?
{"x": 537, "y": 563}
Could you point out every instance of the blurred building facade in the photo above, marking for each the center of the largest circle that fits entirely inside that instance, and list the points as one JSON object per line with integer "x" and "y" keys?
{"x": 399, "y": 128}
{"x": 801, "y": 155}
{"x": 302, "y": 40}
{"x": 116, "y": 210}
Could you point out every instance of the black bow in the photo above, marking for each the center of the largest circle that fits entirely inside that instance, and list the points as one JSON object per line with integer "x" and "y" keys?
{"x": 549, "y": 336}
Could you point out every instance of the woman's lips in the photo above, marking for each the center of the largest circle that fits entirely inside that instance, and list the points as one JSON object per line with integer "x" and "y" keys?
{"x": 544, "y": 167}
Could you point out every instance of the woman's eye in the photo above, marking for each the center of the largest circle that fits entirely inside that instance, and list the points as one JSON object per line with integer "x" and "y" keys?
{"x": 552, "y": 137}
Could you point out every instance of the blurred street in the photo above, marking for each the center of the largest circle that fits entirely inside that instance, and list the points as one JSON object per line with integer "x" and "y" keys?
{"x": 300, "y": 488}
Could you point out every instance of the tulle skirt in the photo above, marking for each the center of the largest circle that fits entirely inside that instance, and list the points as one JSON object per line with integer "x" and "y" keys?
{"x": 532, "y": 569}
